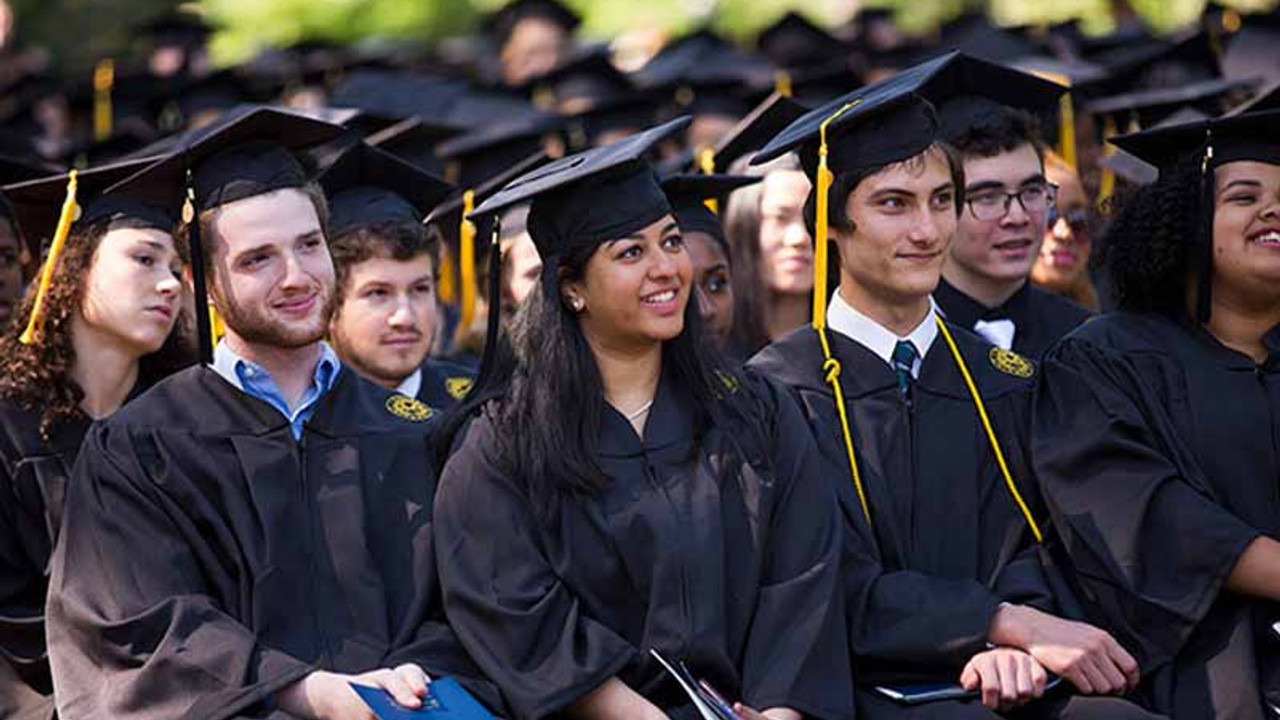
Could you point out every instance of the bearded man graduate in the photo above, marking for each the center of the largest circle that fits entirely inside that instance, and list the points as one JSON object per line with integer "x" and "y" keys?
{"x": 252, "y": 535}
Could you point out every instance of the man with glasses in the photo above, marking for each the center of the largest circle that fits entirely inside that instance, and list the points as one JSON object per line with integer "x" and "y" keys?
{"x": 1008, "y": 202}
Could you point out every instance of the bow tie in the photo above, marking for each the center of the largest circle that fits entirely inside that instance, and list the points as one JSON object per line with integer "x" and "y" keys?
{"x": 997, "y": 332}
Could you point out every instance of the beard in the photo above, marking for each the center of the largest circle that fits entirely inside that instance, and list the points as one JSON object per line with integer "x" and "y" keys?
{"x": 254, "y": 324}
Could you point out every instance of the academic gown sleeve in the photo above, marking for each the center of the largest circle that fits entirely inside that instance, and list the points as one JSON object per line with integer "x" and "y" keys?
{"x": 524, "y": 628}
{"x": 1149, "y": 543}
{"x": 796, "y": 655}
{"x": 134, "y": 632}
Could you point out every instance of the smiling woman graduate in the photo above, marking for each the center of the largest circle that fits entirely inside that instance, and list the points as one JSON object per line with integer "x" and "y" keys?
{"x": 625, "y": 493}
{"x": 1157, "y": 427}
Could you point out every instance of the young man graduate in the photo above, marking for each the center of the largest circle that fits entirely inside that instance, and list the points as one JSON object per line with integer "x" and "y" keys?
{"x": 985, "y": 112}
{"x": 253, "y": 534}
{"x": 943, "y": 573}
{"x": 386, "y": 315}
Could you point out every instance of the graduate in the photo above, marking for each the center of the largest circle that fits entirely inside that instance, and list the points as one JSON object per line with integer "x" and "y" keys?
{"x": 1063, "y": 264}
{"x": 12, "y": 257}
{"x": 943, "y": 573}
{"x": 386, "y": 311}
{"x": 706, "y": 244}
{"x": 987, "y": 117}
{"x": 625, "y": 492}
{"x": 253, "y": 534}
{"x": 107, "y": 323}
{"x": 1155, "y": 426}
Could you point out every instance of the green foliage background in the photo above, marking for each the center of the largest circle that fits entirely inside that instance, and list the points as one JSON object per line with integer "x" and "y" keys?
{"x": 79, "y": 32}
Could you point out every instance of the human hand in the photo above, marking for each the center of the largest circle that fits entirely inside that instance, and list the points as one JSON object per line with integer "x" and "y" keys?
{"x": 1089, "y": 658}
{"x": 326, "y": 695}
{"x": 1007, "y": 678}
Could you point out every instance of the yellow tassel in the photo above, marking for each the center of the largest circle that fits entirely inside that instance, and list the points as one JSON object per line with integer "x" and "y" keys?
{"x": 707, "y": 164}
{"x": 447, "y": 289}
{"x": 216, "y": 327}
{"x": 782, "y": 83}
{"x": 70, "y": 213}
{"x": 1107, "y": 184}
{"x": 830, "y": 365}
{"x": 1067, "y": 130}
{"x": 104, "y": 80}
{"x": 991, "y": 433}
{"x": 467, "y": 264}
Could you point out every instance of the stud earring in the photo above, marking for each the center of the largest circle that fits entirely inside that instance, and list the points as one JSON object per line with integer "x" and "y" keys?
{"x": 577, "y": 304}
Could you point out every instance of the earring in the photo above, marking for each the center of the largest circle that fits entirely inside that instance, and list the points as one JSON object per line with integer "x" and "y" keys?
{"x": 577, "y": 304}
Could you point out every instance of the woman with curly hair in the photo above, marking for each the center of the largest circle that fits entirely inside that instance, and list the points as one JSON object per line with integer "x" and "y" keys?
{"x": 1158, "y": 426}
{"x": 104, "y": 329}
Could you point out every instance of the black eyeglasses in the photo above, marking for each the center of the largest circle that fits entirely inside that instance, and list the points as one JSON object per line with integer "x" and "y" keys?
{"x": 1080, "y": 220}
{"x": 994, "y": 204}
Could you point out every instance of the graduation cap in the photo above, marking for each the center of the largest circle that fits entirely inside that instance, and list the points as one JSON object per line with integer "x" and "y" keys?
{"x": 459, "y": 231}
{"x": 475, "y": 156}
{"x": 249, "y": 152}
{"x": 1154, "y": 66}
{"x": 398, "y": 94}
{"x": 689, "y": 195}
{"x": 366, "y": 186}
{"x": 976, "y": 36}
{"x": 1146, "y": 108}
{"x": 579, "y": 84}
{"x": 794, "y": 41}
{"x": 1267, "y": 98}
{"x": 970, "y": 92}
{"x": 46, "y": 209}
{"x": 504, "y": 20}
{"x": 1213, "y": 143}
{"x": 178, "y": 26}
{"x": 415, "y": 140}
{"x": 578, "y": 201}
{"x": 752, "y": 133}
{"x": 1251, "y": 52}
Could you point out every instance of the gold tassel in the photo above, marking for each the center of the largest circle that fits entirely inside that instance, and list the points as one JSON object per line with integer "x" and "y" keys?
{"x": 782, "y": 83}
{"x": 70, "y": 213}
{"x": 104, "y": 80}
{"x": 467, "y": 264}
{"x": 707, "y": 164}
{"x": 1107, "y": 184}
{"x": 1067, "y": 130}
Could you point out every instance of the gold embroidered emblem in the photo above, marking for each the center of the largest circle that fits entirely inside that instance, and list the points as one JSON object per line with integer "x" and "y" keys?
{"x": 1011, "y": 363}
{"x": 458, "y": 386}
{"x": 408, "y": 408}
{"x": 730, "y": 382}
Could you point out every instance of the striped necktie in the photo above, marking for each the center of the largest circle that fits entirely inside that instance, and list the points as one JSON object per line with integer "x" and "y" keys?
{"x": 904, "y": 362}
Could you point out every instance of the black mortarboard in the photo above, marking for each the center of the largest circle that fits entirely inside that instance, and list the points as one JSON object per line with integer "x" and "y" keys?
{"x": 46, "y": 208}
{"x": 397, "y": 94}
{"x": 969, "y": 92}
{"x": 503, "y": 21}
{"x": 211, "y": 95}
{"x": 247, "y": 153}
{"x": 875, "y": 125}
{"x": 1141, "y": 172}
{"x": 753, "y": 132}
{"x": 492, "y": 147}
{"x": 580, "y": 84}
{"x": 1267, "y": 98}
{"x": 688, "y": 195}
{"x": 1192, "y": 59}
{"x": 1212, "y": 143}
{"x": 596, "y": 195}
{"x": 1252, "y": 53}
{"x": 415, "y": 140}
{"x": 37, "y": 203}
{"x": 175, "y": 27}
{"x": 629, "y": 115}
{"x": 976, "y": 36}
{"x": 1150, "y": 107}
{"x": 366, "y": 185}
{"x": 794, "y": 41}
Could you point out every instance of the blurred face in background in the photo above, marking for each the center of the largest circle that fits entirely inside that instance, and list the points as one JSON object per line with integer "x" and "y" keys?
{"x": 10, "y": 270}
{"x": 712, "y": 287}
{"x": 534, "y": 47}
{"x": 786, "y": 252}
{"x": 1063, "y": 261}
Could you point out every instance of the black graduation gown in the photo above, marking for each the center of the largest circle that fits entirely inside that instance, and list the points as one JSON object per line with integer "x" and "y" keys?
{"x": 1040, "y": 318}
{"x": 1158, "y": 451}
{"x": 208, "y": 559}
{"x": 731, "y": 566}
{"x": 949, "y": 541}
{"x": 444, "y": 383}
{"x": 33, "y": 480}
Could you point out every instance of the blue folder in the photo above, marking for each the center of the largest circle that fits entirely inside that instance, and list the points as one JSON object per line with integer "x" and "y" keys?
{"x": 445, "y": 700}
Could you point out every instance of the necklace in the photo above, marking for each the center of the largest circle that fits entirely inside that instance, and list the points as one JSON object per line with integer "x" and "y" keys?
{"x": 631, "y": 416}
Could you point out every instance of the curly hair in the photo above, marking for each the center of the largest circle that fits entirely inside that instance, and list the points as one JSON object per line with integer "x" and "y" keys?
{"x": 392, "y": 239}
{"x": 1152, "y": 248}
{"x": 39, "y": 376}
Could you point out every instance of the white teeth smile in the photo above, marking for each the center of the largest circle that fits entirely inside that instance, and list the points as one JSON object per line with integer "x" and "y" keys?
{"x": 1272, "y": 237}
{"x": 659, "y": 298}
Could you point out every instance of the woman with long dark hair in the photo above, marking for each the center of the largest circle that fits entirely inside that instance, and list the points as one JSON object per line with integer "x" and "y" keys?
{"x": 104, "y": 325}
{"x": 1157, "y": 426}
{"x": 626, "y": 492}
